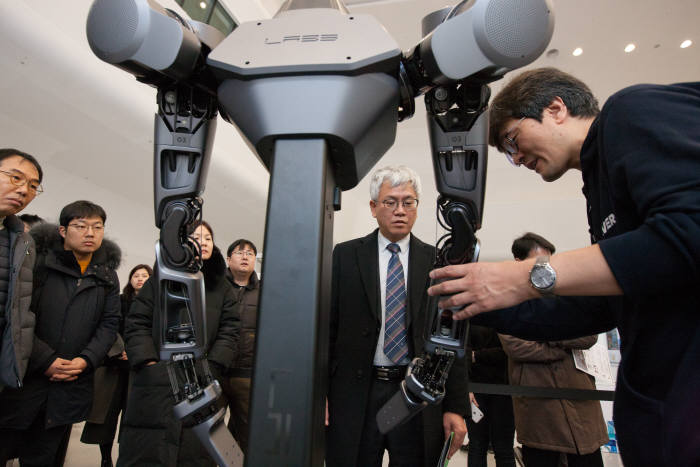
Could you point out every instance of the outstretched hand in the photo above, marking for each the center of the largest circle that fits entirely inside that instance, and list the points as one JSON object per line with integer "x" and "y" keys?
{"x": 480, "y": 287}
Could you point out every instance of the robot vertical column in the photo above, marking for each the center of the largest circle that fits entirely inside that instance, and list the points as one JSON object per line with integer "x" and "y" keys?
{"x": 318, "y": 104}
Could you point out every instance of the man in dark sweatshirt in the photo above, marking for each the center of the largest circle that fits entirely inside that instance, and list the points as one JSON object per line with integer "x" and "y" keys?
{"x": 640, "y": 161}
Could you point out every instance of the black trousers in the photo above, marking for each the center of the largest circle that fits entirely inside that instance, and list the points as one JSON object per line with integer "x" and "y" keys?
{"x": 404, "y": 443}
{"x": 496, "y": 428}
{"x": 237, "y": 391}
{"x": 534, "y": 457}
{"x": 36, "y": 446}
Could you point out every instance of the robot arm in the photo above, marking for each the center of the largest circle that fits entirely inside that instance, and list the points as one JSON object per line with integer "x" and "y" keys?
{"x": 163, "y": 50}
{"x": 458, "y": 141}
{"x": 494, "y": 37}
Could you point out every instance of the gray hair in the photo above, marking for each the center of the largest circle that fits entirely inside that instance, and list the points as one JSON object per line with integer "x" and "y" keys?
{"x": 395, "y": 175}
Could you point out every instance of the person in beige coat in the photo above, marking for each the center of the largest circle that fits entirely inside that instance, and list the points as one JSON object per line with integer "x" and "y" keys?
{"x": 549, "y": 427}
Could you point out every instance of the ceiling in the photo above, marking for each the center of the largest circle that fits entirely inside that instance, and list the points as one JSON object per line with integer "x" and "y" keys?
{"x": 90, "y": 125}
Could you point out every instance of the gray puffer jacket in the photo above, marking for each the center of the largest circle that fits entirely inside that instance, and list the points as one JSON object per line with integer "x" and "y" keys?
{"x": 18, "y": 333}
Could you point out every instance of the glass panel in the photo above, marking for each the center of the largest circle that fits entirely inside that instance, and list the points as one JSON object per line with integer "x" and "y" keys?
{"x": 221, "y": 20}
{"x": 198, "y": 9}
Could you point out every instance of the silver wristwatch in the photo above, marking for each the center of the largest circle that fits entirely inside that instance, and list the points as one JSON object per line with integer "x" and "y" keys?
{"x": 542, "y": 276}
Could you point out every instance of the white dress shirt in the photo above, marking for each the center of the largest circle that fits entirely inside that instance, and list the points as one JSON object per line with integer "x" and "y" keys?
{"x": 380, "y": 359}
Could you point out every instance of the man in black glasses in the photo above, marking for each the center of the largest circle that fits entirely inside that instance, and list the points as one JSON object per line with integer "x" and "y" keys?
{"x": 640, "y": 161}
{"x": 76, "y": 302}
{"x": 241, "y": 256}
{"x": 378, "y": 306}
{"x": 20, "y": 183}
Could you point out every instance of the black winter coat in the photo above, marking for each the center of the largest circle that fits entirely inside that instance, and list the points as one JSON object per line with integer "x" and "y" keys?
{"x": 151, "y": 434}
{"x": 247, "y": 298}
{"x": 77, "y": 315}
{"x": 490, "y": 363}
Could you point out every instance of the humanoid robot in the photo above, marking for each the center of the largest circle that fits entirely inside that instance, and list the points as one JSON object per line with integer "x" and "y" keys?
{"x": 317, "y": 93}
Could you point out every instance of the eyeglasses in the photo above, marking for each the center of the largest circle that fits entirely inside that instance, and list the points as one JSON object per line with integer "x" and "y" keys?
{"x": 83, "y": 228}
{"x": 510, "y": 146}
{"x": 20, "y": 180}
{"x": 244, "y": 253}
{"x": 409, "y": 204}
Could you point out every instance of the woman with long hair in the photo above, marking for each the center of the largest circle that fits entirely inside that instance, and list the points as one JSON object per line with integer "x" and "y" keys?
{"x": 137, "y": 277}
{"x": 112, "y": 378}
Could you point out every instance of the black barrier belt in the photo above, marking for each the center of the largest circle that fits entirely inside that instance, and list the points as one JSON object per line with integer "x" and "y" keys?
{"x": 542, "y": 393}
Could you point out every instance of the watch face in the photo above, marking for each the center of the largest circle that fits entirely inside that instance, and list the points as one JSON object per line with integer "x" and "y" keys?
{"x": 542, "y": 277}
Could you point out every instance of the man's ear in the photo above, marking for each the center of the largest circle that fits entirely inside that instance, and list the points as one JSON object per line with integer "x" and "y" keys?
{"x": 373, "y": 208}
{"x": 62, "y": 231}
{"x": 557, "y": 110}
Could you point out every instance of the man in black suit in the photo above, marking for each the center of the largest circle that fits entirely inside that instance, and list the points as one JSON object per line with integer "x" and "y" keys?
{"x": 378, "y": 314}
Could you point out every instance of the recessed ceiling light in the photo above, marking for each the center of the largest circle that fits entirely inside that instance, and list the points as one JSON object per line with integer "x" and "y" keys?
{"x": 630, "y": 47}
{"x": 686, "y": 43}
{"x": 203, "y": 5}
{"x": 577, "y": 51}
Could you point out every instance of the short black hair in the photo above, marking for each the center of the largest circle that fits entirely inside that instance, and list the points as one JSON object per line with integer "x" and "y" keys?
{"x": 80, "y": 210}
{"x": 31, "y": 219}
{"x": 522, "y": 246}
{"x": 9, "y": 152}
{"x": 242, "y": 242}
{"x": 532, "y": 91}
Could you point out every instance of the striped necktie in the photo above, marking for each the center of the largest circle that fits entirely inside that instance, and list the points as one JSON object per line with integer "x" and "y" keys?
{"x": 395, "y": 343}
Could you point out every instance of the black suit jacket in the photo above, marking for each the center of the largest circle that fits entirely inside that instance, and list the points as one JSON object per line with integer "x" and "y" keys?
{"x": 355, "y": 325}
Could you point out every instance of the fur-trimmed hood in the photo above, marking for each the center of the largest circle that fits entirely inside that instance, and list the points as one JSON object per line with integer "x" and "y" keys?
{"x": 213, "y": 269}
{"x": 48, "y": 239}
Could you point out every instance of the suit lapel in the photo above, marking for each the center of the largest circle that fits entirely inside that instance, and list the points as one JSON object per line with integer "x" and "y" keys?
{"x": 419, "y": 263}
{"x": 368, "y": 264}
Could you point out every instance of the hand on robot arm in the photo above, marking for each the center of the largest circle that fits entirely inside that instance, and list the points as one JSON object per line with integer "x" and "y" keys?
{"x": 477, "y": 288}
